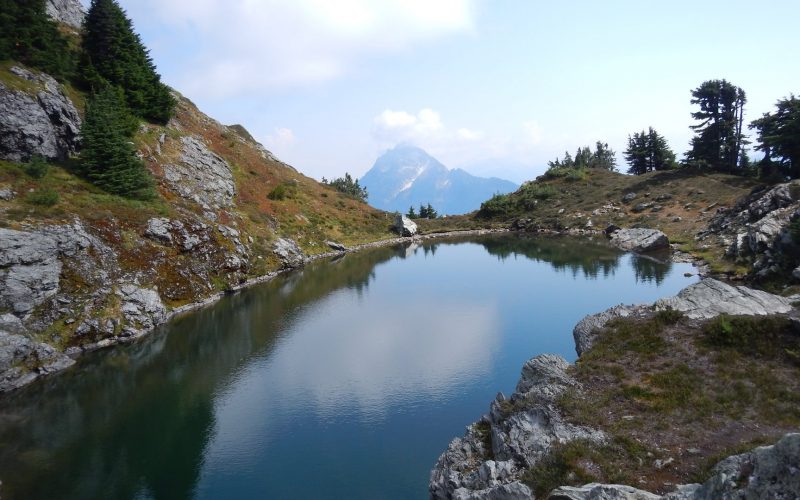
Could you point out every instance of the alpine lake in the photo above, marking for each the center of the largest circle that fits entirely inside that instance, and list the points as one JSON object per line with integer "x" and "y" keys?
{"x": 345, "y": 379}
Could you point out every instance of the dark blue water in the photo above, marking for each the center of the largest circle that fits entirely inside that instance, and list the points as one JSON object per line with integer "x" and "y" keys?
{"x": 344, "y": 380}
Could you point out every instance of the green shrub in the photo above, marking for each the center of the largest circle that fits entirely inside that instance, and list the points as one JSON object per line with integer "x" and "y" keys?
{"x": 499, "y": 204}
{"x": 37, "y": 167}
{"x": 668, "y": 316}
{"x": 770, "y": 336}
{"x": 43, "y": 197}
{"x": 281, "y": 192}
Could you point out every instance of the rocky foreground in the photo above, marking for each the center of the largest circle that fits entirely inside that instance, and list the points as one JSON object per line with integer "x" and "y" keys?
{"x": 491, "y": 460}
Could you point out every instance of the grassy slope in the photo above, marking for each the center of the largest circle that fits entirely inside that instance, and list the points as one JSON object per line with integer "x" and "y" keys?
{"x": 694, "y": 198}
{"x": 675, "y": 396}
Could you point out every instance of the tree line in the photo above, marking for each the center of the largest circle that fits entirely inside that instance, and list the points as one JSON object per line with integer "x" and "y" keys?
{"x": 112, "y": 65}
{"x": 425, "y": 212}
{"x": 719, "y": 143}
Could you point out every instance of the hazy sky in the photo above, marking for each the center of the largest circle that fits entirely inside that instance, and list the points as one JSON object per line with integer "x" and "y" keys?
{"x": 498, "y": 87}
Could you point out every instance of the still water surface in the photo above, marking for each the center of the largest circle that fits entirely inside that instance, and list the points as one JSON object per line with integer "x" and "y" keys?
{"x": 344, "y": 380}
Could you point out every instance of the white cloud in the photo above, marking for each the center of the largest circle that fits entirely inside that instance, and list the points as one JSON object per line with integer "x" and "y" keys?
{"x": 392, "y": 127}
{"x": 469, "y": 135}
{"x": 246, "y": 46}
{"x": 533, "y": 131}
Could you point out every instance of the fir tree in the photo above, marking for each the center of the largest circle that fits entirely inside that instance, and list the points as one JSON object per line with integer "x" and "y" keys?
{"x": 112, "y": 53}
{"x": 411, "y": 213}
{"x": 28, "y": 35}
{"x": 719, "y": 142}
{"x": 648, "y": 151}
{"x": 108, "y": 158}
{"x": 779, "y": 137}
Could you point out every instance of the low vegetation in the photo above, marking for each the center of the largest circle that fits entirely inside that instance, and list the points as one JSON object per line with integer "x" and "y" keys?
{"x": 673, "y": 395}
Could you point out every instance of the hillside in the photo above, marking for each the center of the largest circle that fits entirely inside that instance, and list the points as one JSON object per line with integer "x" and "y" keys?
{"x": 407, "y": 176}
{"x": 681, "y": 203}
{"x": 82, "y": 269}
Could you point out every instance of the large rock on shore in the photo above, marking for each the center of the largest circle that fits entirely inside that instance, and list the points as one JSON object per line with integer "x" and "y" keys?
{"x": 41, "y": 120}
{"x": 488, "y": 461}
{"x": 639, "y": 240}
{"x": 289, "y": 253}
{"x": 404, "y": 226}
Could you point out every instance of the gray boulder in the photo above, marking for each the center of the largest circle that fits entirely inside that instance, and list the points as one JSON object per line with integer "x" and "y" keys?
{"x": 595, "y": 491}
{"x": 40, "y": 122}
{"x": 404, "y": 226}
{"x": 710, "y": 298}
{"x": 288, "y": 252}
{"x": 69, "y": 12}
{"x": 201, "y": 176}
{"x": 6, "y": 194}
{"x": 29, "y": 270}
{"x": 639, "y": 240}
{"x": 511, "y": 491}
{"x": 629, "y": 197}
{"x": 336, "y": 246}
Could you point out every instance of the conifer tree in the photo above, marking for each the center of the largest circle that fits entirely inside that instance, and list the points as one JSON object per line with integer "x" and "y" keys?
{"x": 112, "y": 53}
{"x": 648, "y": 151}
{"x": 28, "y": 35}
{"x": 108, "y": 159}
{"x": 719, "y": 142}
{"x": 779, "y": 137}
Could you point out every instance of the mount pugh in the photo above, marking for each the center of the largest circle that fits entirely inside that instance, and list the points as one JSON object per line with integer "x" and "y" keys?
{"x": 408, "y": 176}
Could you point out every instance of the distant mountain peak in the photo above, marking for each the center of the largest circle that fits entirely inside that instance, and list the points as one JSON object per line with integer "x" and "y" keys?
{"x": 407, "y": 175}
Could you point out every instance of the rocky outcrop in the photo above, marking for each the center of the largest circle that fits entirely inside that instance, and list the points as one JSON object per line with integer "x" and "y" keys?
{"x": 595, "y": 491}
{"x": 703, "y": 300}
{"x": 69, "y": 12}
{"x": 142, "y": 309}
{"x": 586, "y": 330}
{"x": 756, "y": 230}
{"x": 23, "y": 360}
{"x": 404, "y": 226}
{"x": 639, "y": 240}
{"x": 765, "y": 472}
{"x": 185, "y": 236}
{"x": 201, "y": 176}
{"x": 710, "y": 298}
{"x": 289, "y": 253}
{"x": 489, "y": 460}
{"x": 38, "y": 121}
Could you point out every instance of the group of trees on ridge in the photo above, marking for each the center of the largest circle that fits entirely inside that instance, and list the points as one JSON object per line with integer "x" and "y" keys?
{"x": 425, "y": 212}
{"x": 112, "y": 65}
{"x": 348, "y": 186}
{"x": 719, "y": 143}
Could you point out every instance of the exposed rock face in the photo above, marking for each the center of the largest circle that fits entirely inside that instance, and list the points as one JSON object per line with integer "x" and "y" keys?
{"x": 201, "y": 176}
{"x": 710, "y": 298}
{"x": 22, "y": 360}
{"x": 69, "y": 12}
{"x": 288, "y": 252}
{"x": 168, "y": 232}
{"x": 595, "y": 491}
{"x": 639, "y": 240}
{"x": 45, "y": 124}
{"x": 520, "y": 430}
{"x": 756, "y": 229}
{"x": 142, "y": 308}
{"x": 404, "y": 226}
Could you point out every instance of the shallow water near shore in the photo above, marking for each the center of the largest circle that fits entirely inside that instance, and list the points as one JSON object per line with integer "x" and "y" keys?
{"x": 343, "y": 380}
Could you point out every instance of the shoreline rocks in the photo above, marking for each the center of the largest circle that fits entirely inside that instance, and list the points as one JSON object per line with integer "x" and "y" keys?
{"x": 639, "y": 240}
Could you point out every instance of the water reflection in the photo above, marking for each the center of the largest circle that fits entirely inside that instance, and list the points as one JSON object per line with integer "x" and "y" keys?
{"x": 360, "y": 359}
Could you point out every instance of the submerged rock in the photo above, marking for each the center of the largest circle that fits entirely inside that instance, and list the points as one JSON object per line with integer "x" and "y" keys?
{"x": 639, "y": 240}
{"x": 404, "y": 226}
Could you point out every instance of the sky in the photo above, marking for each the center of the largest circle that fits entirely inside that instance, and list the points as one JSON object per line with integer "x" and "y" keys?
{"x": 497, "y": 87}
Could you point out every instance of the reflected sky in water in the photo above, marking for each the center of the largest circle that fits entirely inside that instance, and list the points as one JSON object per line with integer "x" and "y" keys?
{"x": 344, "y": 380}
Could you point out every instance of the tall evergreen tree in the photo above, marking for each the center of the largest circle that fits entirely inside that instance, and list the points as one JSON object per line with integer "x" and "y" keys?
{"x": 779, "y": 136}
{"x": 648, "y": 151}
{"x": 28, "y": 35}
{"x": 112, "y": 53}
{"x": 108, "y": 158}
{"x": 719, "y": 142}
